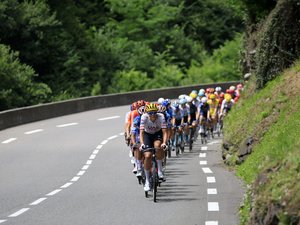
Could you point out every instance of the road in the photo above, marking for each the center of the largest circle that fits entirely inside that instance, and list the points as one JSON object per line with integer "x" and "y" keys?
{"x": 75, "y": 170}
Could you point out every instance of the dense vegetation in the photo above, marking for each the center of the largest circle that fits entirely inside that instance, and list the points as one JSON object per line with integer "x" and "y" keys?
{"x": 262, "y": 132}
{"x": 53, "y": 50}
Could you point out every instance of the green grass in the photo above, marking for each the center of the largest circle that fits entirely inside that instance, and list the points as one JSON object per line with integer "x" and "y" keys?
{"x": 272, "y": 117}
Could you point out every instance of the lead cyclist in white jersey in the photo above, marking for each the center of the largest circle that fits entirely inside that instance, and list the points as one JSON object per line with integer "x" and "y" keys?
{"x": 153, "y": 134}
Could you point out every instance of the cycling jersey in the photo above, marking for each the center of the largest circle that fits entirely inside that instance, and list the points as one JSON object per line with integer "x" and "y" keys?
{"x": 177, "y": 114}
{"x": 213, "y": 106}
{"x": 152, "y": 127}
{"x": 227, "y": 105}
{"x": 193, "y": 111}
{"x": 135, "y": 128}
{"x": 204, "y": 108}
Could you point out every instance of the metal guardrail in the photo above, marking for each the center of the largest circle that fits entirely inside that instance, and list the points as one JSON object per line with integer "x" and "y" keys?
{"x": 30, "y": 114}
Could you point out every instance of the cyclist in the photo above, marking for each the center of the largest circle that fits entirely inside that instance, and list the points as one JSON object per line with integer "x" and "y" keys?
{"x": 153, "y": 135}
{"x": 185, "y": 112}
{"x": 213, "y": 111}
{"x": 203, "y": 114}
{"x": 192, "y": 116}
{"x": 177, "y": 121}
{"x": 226, "y": 105}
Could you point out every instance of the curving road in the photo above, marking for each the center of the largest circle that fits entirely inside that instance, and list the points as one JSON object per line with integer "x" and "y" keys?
{"x": 75, "y": 170}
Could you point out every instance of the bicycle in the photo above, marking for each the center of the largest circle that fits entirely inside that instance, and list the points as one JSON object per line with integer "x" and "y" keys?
{"x": 178, "y": 141}
{"x": 191, "y": 137}
{"x": 203, "y": 133}
{"x": 154, "y": 180}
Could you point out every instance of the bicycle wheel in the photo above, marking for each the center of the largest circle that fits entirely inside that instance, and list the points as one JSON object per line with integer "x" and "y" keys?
{"x": 191, "y": 134}
{"x": 176, "y": 144}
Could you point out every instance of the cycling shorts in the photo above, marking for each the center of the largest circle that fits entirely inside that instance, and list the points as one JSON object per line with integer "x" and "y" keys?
{"x": 150, "y": 138}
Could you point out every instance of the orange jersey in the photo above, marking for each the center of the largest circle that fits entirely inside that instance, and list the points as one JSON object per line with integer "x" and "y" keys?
{"x": 131, "y": 116}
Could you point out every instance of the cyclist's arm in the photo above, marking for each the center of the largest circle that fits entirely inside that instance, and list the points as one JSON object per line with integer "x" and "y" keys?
{"x": 142, "y": 136}
{"x": 165, "y": 135}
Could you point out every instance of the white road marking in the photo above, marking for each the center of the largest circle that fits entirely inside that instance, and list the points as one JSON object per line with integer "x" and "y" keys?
{"x": 202, "y": 155}
{"x": 85, "y": 167}
{"x": 104, "y": 142}
{"x": 211, "y": 223}
{"x": 109, "y": 118}
{"x": 122, "y": 133}
{"x": 206, "y": 170}
{"x": 89, "y": 162}
{"x": 99, "y": 147}
{"x": 38, "y": 201}
{"x": 213, "y": 206}
{"x": 8, "y": 140}
{"x": 212, "y": 191}
{"x": 66, "y": 185}
{"x": 203, "y": 162}
{"x": 33, "y": 131}
{"x": 67, "y": 125}
{"x": 53, "y": 192}
{"x": 204, "y": 148}
{"x": 211, "y": 180}
{"x": 112, "y": 137}
{"x": 80, "y": 173}
{"x": 95, "y": 152}
{"x": 2, "y": 221}
{"x": 21, "y": 211}
{"x": 75, "y": 179}
{"x": 92, "y": 157}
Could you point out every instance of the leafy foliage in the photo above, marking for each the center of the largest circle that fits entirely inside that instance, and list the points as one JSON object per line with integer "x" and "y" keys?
{"x": 17, "y": 88}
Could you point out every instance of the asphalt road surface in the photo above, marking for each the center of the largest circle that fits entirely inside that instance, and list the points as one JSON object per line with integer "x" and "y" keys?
{"x": 75, "y": 170}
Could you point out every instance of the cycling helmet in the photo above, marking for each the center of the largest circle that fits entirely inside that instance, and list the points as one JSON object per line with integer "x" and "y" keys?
{"x": 204, "y": 100}
{"x": 175, "y": 104}
{"x": 152, "y": 107}
{"x": 193, "y": 95}
{"x": 133, "y": 106}
{"x": 232, "y": 88}
{"x": 141, "y": 110}
{"x": 182, "y": 96}
{"x": 182, "y": 101}
{"x": 160, "y": 100}
{"x": 218, "y": 89}
{"x": 140, "y": 103}
{"x": 189, "y": 99}
{"x": 201, "y": 90}
{"x": 212, "y": 96}
{"x": 162, "y": 108}
{"x": 194, "y": 91}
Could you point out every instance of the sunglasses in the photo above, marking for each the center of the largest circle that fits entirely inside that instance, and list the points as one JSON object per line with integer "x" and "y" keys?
{"x": 152, "y": 113}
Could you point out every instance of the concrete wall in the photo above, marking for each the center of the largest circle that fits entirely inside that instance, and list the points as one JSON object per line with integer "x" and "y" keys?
{"x": 24, "y": 115}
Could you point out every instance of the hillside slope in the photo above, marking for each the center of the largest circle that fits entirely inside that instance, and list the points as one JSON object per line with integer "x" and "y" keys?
{"x": 262, "y": 141}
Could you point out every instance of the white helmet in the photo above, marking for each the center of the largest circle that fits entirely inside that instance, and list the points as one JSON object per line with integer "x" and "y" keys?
{"x": 204, "y": 100}
{"x": 182, "y": 96}
{"x": 189, "y": 99}
{"x": 232, "y": 88}
{"x": 160, "y": 100}
{"x": 218, "y": 89}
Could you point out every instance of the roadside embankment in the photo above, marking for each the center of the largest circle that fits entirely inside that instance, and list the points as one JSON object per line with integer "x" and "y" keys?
{"x": 262, "y": 142}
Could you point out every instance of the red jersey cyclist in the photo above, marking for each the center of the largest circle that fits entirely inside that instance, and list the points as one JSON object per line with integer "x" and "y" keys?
{"x": 153, "y": 134}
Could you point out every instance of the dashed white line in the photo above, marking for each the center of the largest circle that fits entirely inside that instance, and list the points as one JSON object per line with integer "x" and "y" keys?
{"x": 2, "y": 221}
{"x": 92, "y": 157}
{"x": 121, "y": 133}
{"x": 80, "y": 173}
{"x": 112, "y": 137}
{"x": 99, "y": 147}
{"x": 89, "y": 162}
{"x": 206, "y": 170}
{"x": 95, "y": 152}
{"x": 75, "y": 179}
{"x": 85, "y": 167}
{"x": 204, "y": 148}
{"x": 33, "y": 131}
{"x": 211, "y": 180}
{"x": 212, "y": 191}
{"x": 66, "y": 125}
{"x": 53, "y": 192}
{"x": 109, "y": 118}
{"x": 38, "y": 201}
{"x": 211, "y": 223}
{"x": 104, "y": 142}
{"x": 213, "y": 206}
{"x": 202, "y": 155}
{"x": 203, "y": 162}
{"x": 8, "y": 140}
{"x": 21, "y": 211}
{"x": 66, "y": 185}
